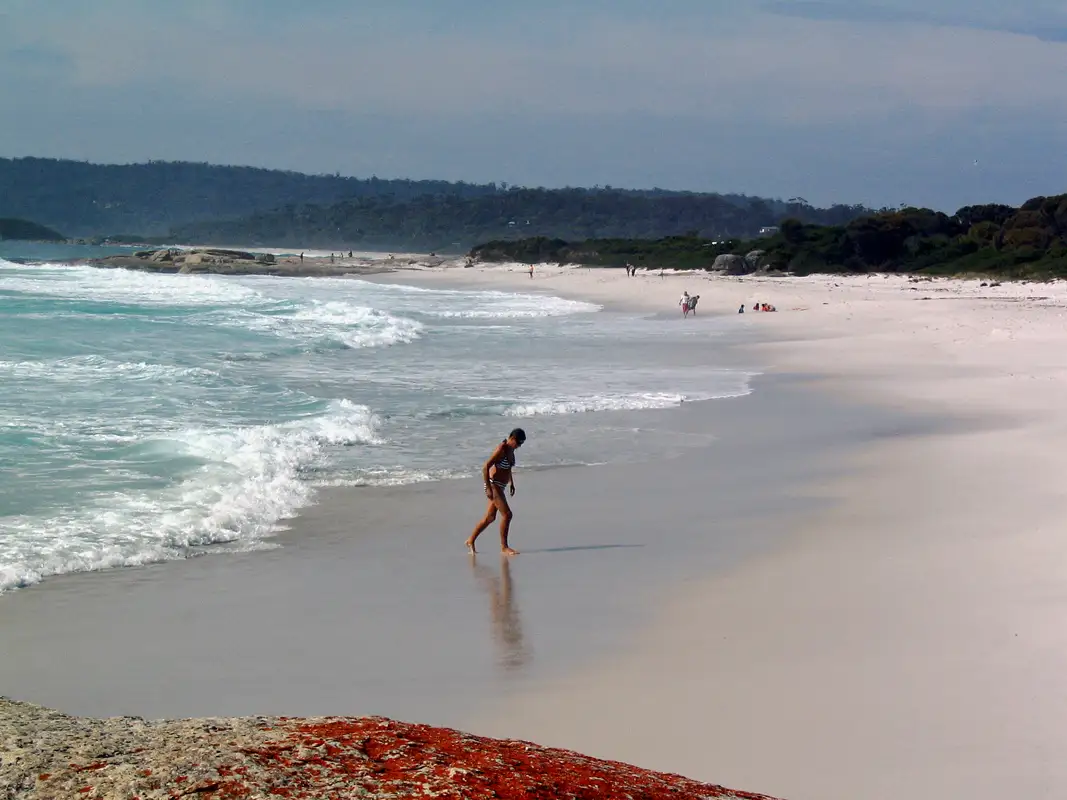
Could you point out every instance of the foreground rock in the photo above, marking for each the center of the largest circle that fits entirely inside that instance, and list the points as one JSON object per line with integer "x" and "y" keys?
{"x": 239, "y": 262}
{"x": 45, "y": 754}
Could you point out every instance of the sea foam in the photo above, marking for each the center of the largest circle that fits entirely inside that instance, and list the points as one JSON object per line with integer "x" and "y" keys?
{"x": 93, "y": 367}
{"x": 249, "y": 479}
{"x": 348, "y": 324}
{"x": 121, "y": 286}
{"x": 641, "y": 401}
{"x": 458, "y": 304}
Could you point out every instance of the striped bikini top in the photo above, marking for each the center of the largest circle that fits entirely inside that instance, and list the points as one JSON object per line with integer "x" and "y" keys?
{"x": 504, "y": 462}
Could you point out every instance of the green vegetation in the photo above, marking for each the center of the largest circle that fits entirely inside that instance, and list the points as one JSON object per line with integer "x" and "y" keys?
{"x": 24, "y": 229}
{"x": 207, "y": 204}
{"x": 674, "y": 252}
{"x": 453, "y": 224}
{"x": 99, "y": 199}
{"x": 1025, "y": 242}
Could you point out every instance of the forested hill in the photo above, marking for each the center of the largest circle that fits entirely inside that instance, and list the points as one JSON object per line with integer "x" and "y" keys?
{"x": 24, "y": 229}
{"x": 244, "y": 205}
{"x": 85, "y": 199}
{"x": 453, "y": 224}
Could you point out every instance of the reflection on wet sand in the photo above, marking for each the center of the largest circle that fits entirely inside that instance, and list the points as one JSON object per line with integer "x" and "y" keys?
{"x": 507, "y": 628}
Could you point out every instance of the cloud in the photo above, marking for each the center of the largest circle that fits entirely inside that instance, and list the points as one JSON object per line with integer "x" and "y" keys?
{"x": 1042, "y": 20}
{"x": 773, "y": 70}
{"x": 707, "y": 94}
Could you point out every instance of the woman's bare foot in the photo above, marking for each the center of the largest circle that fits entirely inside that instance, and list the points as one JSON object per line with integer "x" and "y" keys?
{"x": 470, "y": 547}
{"x": 507, "y": 551}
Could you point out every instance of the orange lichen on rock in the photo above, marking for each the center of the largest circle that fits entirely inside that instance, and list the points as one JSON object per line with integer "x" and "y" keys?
{"x": 410, "y": 760}
{"x": 335, "y": 757}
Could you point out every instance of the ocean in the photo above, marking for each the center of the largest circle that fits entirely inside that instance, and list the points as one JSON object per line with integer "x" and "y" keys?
{"x": 148, "y": 417}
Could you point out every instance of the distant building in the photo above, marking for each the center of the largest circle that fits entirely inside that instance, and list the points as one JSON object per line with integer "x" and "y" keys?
{"x": 770, "y": 230}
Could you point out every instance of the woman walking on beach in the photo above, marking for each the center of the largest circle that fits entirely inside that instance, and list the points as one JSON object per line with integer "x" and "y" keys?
{"x": 497, "y": 474}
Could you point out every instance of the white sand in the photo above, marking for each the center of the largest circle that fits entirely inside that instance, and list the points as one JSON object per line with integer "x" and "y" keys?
{"x": 909, "y": 642}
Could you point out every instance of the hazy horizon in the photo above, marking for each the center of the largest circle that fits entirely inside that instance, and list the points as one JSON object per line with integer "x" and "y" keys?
{"x": 938, "y": 104}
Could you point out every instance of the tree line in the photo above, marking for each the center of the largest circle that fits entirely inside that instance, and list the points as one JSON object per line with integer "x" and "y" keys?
{"x": 451, "y": 223}
{"x": 993, "y": 239}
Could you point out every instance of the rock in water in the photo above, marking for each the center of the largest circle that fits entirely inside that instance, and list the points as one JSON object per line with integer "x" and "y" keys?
{"x": 162, "y": 255}
{"x": 45, "y": 754}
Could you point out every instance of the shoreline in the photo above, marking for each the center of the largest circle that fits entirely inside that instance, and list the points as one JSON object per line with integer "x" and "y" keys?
{"x": 309, "y": 627}
{"x": 539, "y": 416}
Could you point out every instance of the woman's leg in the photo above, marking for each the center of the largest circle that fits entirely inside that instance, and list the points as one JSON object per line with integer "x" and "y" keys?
{"x": 486, "y": 521}
{"x": 506, "y": 516}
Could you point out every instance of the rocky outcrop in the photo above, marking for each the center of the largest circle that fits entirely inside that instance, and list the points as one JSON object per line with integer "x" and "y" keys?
{"x": 45, "y": 754}
{"x": 238, "y": 262}
{"x": 731, "y": 265}
{"x": 754, "y": 259}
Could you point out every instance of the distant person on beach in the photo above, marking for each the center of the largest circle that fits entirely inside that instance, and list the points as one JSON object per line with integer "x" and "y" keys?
{"x": 741, "y": 310}
{"x": 531, "y": 271}
{"x": 693, "y": 303}
{"x": 497, "y": 474}
{"x": 301, "y": 258}
{"x": 683, "y": 301}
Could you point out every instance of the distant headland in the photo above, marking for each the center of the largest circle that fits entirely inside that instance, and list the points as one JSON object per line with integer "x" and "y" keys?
{"x": 164, "y": 202}
{"x": 22, "y": 229}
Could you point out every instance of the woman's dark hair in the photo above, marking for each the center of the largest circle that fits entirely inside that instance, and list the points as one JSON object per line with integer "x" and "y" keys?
{"x": 518, "y": 434}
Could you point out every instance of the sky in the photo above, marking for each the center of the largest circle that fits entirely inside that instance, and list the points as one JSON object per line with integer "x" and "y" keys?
{"x": 938, "y": 103}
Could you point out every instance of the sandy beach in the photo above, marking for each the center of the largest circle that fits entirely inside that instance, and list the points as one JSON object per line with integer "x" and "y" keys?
{"x": 906, "y": 640}
{"x": 853, "y": 590}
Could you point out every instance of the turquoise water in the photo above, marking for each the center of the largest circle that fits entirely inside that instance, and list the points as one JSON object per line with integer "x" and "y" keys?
{"x": 14, "y": 250}
{"x": 149, "y": 417}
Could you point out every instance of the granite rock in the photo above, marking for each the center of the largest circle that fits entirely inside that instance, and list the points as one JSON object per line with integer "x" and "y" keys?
{"x": 731, "y": 265}
{"x": 45, "y": 754}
